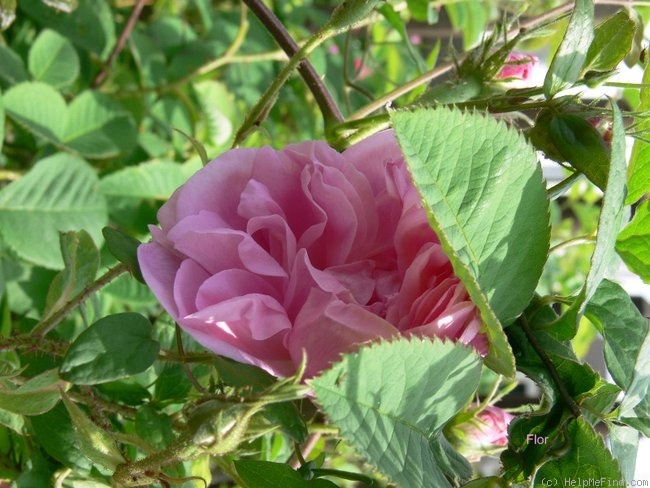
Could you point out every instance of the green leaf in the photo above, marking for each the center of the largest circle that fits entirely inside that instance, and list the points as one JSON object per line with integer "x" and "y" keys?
{"x": 36, "y": 396}
{"x": 638, "y": 171}
{"x": 612, "y": 213}
{"x": 90, "y": 26}
{"x": 217, "y": 105}
{"x": 570, "y": 57}
{"x": 392, "y": 400}
{"x": 58, "y": 194}
{"x": 486, "y": 200}
{"x": 633, "y": 242}
{"x": 587, "y": 457}
{"x": 54, "y": 433}
{"x": 172, "y": 385}
{"x": 422, "y": 10}
{"x": 155, "y": 180}
{"x": 81, "y": 262}
{"x": 611, "y": 219}
{"x": 53, "y": 60}
{"x": 624, "y": 442}
{"x": 38, "y": 107}
{"x": 469, "y": 16}
{"x": 124, "y": 248}
{"x": 153, "y": 427}
{"x": 13, "y": 421}
{"x": 12, "y": 68}
{"x": 264, "y": 474}
{"x": 94, "y": 125}
{"x": 627, "y": 341}
{"x": 580, "y": 144}
{"x": 612, "y": 41}
{"x": 97, "y": 127}
{"x": 93, "y": 442}
{"x": 114, "y": 347}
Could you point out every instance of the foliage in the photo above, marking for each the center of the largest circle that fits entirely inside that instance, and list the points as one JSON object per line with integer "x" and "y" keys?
{"x": 106, "y": 108}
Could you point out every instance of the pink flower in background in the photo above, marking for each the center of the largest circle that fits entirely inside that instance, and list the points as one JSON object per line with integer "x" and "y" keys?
{"x": 486, "y": 433}
{"x": 263, "y": 254}
{"x": 519, "y": 66}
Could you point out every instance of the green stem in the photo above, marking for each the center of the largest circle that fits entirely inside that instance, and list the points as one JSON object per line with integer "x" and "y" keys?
{"x": 585, "y": 239}
{"x": 53, "y": 320}
{"x": 326, "y": 104}
{"x": 559, "y": 189}
{"x": 573, "y": 406}
{"x": 260, "y": 111}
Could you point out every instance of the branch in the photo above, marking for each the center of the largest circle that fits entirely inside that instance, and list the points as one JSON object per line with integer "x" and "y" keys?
{"x": 119, "y": 45}
{"x": 328, "y": 107}
{"x": 55, "y": 319}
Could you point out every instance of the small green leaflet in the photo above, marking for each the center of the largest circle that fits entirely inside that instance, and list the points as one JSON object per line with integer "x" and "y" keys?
{"x": 570, "y": 57}
{"x": 114, "y": 347}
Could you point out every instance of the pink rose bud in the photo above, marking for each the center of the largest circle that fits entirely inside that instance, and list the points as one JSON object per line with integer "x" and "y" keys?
{"x": 264, "y": 254}
{"x": 518, "y": 66}
{"x": 486, "y": 433}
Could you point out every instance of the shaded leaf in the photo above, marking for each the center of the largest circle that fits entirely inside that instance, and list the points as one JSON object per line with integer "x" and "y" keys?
{"x": 124, "y": 248}
{"x": 54, "y": 433}
{"x": 612, "y": 41}
{"x": 12, "y": 68}
{"x": 264, "y": 474}
{"x": 114, "y": 347}
{"x": 580, "y": 144}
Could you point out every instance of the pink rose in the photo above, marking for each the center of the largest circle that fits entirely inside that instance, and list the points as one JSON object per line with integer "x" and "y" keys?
{"x": 263, "y": 254}
{"x": 486, "y": 433}
{"x": 518, "y": 66}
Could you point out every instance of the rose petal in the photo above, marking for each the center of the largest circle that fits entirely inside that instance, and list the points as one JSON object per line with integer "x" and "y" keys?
{"x": 326, "y": 327}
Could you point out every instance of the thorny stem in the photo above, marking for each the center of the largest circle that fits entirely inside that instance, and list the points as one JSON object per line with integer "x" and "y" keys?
{"x": 323, "y": 97}
{"x": 575, "y": 410}
{"x": 119, "y": 45}
{"x": 42, "y": 329}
